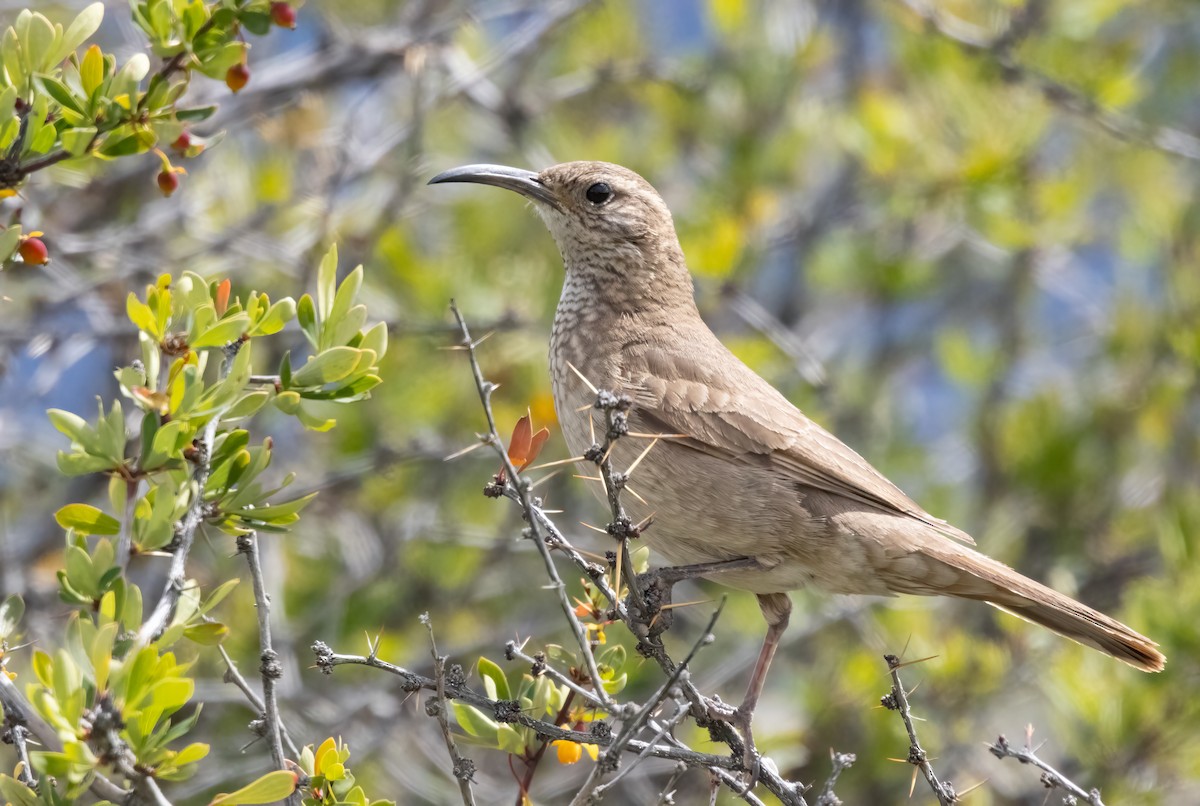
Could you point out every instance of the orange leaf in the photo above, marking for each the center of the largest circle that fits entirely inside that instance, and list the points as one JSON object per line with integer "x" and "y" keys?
{"x": 535, "y": 447}
{"x": 518, "y": 444}
{"x": 222, "y": 301}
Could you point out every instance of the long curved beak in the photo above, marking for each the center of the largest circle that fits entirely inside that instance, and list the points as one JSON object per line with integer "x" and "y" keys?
{"x": 517, "y": 179}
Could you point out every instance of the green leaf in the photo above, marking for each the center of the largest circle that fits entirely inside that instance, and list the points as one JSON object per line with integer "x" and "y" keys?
{"x": 87, "y": 520}
{"x": 327, "y": 283}
{"x": 223, "y": 332}
{"x": 69, "y": 424}
{"x": 11, "y": 612}
{"x": 126, "y": 146}
{"x": 276, "y": 317}
{"x": 491, "y": 672}
{"x": 17, "y": 793}
{"x": 269, "y": 788}
{"x": 141, "y": 316}
{"x": 307, "y": 316}
{"x": 195, "y": 114}
{"x": 327, "y": 367}
{"x": 247, "y": 405}
{"x": 274, "y": 512}
{"x": 61, "y": 94}
{"x": 171, "y": 694}
{"x": 76, "y": 141}
{"x": 190, "y": 754}
{"x": 81, "y": 28}
{"x": 475, "y": 723}
{"x": 343, "y": 300}
{"x": 9, "y": 238}
{"x": 209, "y": 633}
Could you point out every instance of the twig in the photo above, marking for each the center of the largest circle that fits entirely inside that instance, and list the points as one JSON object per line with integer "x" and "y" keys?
{"x": 897, "y": 700}
{"x": 16, "y": 735}
{"x": 464, "y": 768}
{"x": 270, "y": 667}
{"x": 232, "y": 675}
{"x": 191, "y": 521}
{"x": 1051, "y": 778}
{"x": 841, "y": 763}
{"x": 521, "y": 489}
{"x": 592, "y": 790}
{"x": 999, "y": 50}
{"x": 17, "y": 711}
{"x": 539, "y": 666}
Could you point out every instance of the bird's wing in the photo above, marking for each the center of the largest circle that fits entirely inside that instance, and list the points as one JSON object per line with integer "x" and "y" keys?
{"x": 739, "y": 415}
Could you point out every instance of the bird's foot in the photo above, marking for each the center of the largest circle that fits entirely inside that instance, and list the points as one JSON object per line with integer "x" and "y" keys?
{"x": 740, "y": 719}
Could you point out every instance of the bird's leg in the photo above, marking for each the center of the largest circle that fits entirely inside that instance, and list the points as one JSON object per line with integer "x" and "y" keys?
{"x": 776, "y": 608}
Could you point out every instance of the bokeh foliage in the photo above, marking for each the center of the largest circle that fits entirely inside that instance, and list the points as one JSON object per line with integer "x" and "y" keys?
{"x": 986, "y": 286}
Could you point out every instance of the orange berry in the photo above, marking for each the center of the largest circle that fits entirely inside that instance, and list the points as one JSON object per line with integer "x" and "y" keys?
{"x": 283, "y": 15}
{"x": 237, "y": 77}
{"x": 34, "y": 252}
{"x": 168, "y": 181}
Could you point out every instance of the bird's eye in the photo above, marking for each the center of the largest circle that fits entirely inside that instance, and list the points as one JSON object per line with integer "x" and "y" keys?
{"x": 599, "y": 193}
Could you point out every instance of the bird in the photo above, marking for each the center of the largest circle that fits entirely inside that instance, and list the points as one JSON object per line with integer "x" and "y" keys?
{"x": 741, "y": 476}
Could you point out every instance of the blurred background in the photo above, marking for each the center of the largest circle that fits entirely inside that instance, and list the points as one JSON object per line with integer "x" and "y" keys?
{"x": 962, "y": 235}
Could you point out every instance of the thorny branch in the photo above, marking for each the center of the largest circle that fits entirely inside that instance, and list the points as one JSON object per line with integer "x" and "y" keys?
{"x": 17, "y": 711}
{"x": 548, "y": 536}
{"x": 269, "y": 666}
{"x": 232, "y": 675}
{"x": 1051, "y": 778}
{"x": 521, "y": 489}
{"x": 897, "y": 700}
{"x": 464, "y": 768}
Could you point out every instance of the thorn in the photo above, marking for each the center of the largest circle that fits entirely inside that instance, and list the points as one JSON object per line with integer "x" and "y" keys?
{"x": 686, "y": 604}
{"x": 587, "y": 478}
{"x": 585, "y": 380}
{"x": 634, "y": 493}
{"x": 971, "y": 789}
{"x": 629, "y": 470}
{"x": 642, "y": 435}
{"x": 912, "y": 787}
{"x": 620, "y": 551}
{"x": 482, "y": 339}
{"x": 911, "y": 663}
{"x": 542, "y": 480}
{"x": 464, "y": 451}
{"x": 593, "y": 528}
{"x": 545, "y": 465}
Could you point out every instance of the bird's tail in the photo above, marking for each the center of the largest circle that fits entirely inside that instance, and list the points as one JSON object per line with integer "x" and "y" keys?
{"x": 970, "y": 575}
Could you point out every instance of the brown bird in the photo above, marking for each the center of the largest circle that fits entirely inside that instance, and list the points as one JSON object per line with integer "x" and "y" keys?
{"x": 753, "y": 477}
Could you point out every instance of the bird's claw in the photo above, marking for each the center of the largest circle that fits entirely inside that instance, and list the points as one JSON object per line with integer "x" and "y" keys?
{"x": 739, "y": 719}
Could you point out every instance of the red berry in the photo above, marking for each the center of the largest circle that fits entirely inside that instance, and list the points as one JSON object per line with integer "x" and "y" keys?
{"x": 237, "y": 77}
{"x": 183, "y": 142}
{"x": 283, "y": 15}
{"x": 34, "y": 252}
{"x": 168, "y": 182}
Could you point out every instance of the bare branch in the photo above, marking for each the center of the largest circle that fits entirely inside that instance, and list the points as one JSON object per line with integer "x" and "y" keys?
{"x": 1051, "y": 778}
{"x": 464, "y": 768}
{"x": 998, "y": 49}
{"x": 270, "y": 667}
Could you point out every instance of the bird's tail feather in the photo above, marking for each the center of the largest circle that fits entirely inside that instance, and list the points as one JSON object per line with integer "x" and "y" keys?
{"x": 984, "y": 579}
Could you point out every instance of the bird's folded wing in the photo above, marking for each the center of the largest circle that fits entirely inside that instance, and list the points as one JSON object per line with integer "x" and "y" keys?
{"x": 742, "y": 417}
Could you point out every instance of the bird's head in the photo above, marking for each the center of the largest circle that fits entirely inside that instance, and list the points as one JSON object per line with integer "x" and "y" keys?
{"x": 609, "y": 223}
